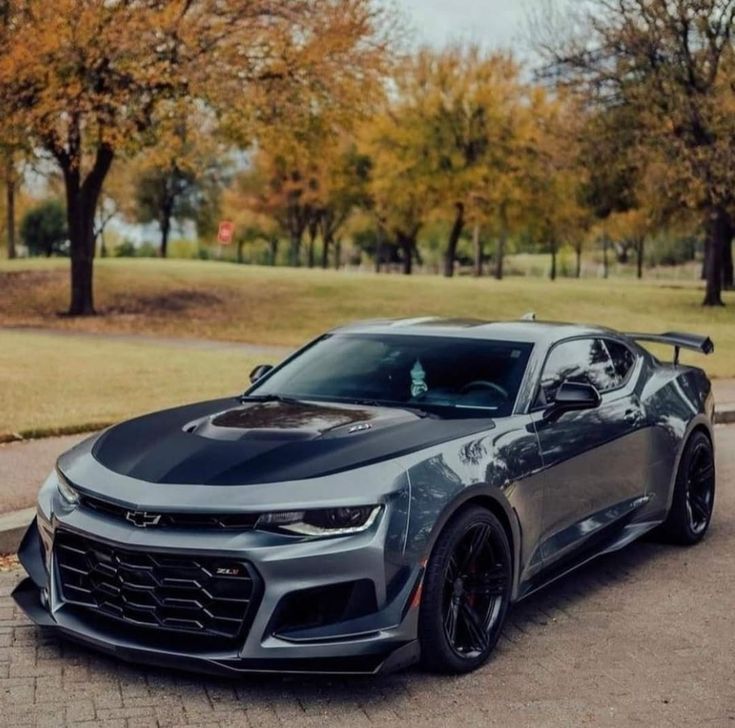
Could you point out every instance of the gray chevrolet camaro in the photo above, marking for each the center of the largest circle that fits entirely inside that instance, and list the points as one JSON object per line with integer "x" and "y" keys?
{"x": 382, "y": 496}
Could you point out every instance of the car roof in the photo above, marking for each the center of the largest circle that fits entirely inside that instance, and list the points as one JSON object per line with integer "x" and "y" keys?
{"x": 534, "y": 332}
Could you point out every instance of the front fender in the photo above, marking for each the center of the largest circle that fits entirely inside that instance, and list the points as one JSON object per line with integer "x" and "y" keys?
{"x": 425, "y": 524}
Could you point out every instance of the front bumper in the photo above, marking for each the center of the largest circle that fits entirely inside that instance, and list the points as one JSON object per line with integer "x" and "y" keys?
{"x": 381, "y": 641}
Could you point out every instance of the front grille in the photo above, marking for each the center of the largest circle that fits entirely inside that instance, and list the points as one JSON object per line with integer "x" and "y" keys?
{"x": 238, "y": 521}
{"x": 203, "y": 596}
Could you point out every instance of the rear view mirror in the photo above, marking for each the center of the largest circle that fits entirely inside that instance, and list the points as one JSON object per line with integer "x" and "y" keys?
{"x": 259, "y": 372}
{"x": 572, "y": 397}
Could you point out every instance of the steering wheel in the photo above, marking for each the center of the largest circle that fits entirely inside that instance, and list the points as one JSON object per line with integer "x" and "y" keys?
{"x": 484, "y": 384}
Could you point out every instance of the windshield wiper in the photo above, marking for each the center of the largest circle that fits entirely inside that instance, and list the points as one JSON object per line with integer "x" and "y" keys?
{"x": 418, "y": 411}
{"x": 269, "y": 398}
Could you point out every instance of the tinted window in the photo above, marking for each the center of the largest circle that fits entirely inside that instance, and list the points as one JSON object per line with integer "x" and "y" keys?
{"x": 430, "y": 372}
{"x": 622, "y": 357}
{"x": 580, "y": 360}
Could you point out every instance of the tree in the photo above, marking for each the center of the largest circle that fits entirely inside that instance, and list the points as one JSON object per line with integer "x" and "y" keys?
{"x": 343, "y": 187}
{"x": 669, "y": 64}
{"x": 554, "y": 176}
{"x": 283, "y": 185}
{"x": 182, "y": 176}
{"x": 87, "y": 80}
{"x": 44, "y": 230}
{"x": 11, "y": 180}
{"x": 401, "y": 183}
{"x": 240, "y": 204}
{"x": 456, "y": 109}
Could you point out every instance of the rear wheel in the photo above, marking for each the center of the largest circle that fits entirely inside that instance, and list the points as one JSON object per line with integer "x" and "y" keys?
{"x": 466, "y": 593}
{"x": 694, "y": 493}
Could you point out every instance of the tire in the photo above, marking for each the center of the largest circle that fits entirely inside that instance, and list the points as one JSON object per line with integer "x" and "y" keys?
{"x": 466, "y": 593}
{"x": 694, "y": 493}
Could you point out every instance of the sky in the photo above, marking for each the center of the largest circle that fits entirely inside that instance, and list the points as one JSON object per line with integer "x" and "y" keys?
{"x": 492, "y": 23}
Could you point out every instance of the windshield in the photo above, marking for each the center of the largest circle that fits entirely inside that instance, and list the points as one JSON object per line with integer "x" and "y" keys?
{"x": 441, "y": 374}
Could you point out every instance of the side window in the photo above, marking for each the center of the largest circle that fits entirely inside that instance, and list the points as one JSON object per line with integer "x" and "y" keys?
{"x": 623, "y": 358}
{"x": 579, "y": 360}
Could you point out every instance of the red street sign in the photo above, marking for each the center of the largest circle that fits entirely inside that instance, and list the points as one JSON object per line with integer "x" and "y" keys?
{"x": 226, "y": 232}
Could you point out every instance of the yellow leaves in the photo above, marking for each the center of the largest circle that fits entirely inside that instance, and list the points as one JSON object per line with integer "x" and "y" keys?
{"x": 108, "y": 66}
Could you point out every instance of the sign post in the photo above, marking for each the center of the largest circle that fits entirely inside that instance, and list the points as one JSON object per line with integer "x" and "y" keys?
{"x": 225, "y": 234}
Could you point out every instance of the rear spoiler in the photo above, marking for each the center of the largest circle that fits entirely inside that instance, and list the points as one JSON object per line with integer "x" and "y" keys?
{"x": 693, "y": 342}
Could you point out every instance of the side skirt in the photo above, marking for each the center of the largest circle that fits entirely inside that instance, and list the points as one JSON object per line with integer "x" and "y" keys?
{"x": 613, "y": 539}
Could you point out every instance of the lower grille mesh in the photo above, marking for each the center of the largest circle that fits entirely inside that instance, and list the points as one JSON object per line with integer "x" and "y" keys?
{"x": 195, "y": 595}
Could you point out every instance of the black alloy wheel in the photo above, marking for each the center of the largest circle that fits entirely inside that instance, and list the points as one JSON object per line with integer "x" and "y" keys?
{"x": 694, "y": 493}
{"x": 466, "y": 592}
{"x": 700, "y": 486}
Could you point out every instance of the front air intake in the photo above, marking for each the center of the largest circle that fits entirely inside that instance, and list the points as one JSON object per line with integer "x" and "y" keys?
{"x": 170, "y": 592}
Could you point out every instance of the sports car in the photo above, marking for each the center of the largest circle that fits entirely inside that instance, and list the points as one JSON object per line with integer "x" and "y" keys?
{"x": 382, "y": 496}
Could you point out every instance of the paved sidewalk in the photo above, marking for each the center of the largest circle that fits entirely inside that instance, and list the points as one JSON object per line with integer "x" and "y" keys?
{"x": 24, "y": 465}
{"x": 639, "y": 638}
{"x": 724, "y": 392}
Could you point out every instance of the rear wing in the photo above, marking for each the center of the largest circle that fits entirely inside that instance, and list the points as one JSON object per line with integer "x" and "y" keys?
{"x": 693, "y": 342}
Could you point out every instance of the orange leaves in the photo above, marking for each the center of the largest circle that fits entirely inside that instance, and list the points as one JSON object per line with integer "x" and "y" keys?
{"x": 113, "y": 64}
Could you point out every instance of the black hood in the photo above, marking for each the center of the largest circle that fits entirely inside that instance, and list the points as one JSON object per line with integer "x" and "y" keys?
{"x": 230, "y": 442}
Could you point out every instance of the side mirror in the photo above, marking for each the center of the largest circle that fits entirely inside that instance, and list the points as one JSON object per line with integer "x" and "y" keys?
{"x": 259, "y": 372}
{"x": 572, "y": 397}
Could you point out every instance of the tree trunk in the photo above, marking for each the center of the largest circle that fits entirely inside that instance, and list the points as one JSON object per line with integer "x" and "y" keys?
{"x": 273, "y": 245}
{"x": 727, "y": 265}
{"x": 294, "y": 254}
{"x": 477, "y": 247}
{"x": 552, "y": 273}
{"x": 500, "y": 256}
{"x": 719, "y": 234}
{"x": 380, "y": 248}
{"x": 451, "y": 252}
{"x": 326, "y": 242}
{"x": 705, "y": 256}
{"x": 640, "y": 249}
{"x": 406, "y": 245}
{"x": 312, "y": 243}
{"x": 578, "y": 269}
{"x": 240, "y": 244}
{"x": 81, "y": 205}
{"x": 337, "y": 254}
{"x": 605, "y": 261}
{"x": 10, "y": 183}
{"x": 165, "y": 225}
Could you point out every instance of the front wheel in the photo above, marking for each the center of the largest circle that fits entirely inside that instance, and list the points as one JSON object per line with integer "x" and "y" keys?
{"x": 694, "y": 493}
{"x": 466, "y": 593}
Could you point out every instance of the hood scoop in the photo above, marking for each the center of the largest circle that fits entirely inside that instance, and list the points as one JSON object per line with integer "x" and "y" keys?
{"x": 282, "y": 421}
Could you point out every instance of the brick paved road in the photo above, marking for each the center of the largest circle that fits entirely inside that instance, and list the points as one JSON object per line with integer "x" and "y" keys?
{"x": 645, "y": 637}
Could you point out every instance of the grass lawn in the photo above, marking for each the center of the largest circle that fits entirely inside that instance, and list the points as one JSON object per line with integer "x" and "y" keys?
{"x": 46, "y": 382}
{"x": 54, "y": 385}
{"x": 286, "y": 306}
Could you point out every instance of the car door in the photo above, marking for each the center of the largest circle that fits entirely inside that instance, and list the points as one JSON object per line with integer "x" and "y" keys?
{"x": 591, "y": 458}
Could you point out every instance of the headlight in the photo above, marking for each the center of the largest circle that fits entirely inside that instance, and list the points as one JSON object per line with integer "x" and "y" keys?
{"x": 67, "y": 491}
{"x": 321, "y": 522}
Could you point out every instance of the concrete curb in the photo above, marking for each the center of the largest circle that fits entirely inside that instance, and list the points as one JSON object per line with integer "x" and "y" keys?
{"x": 12, "y": 527}
{"x": 14, "y": 524}
{"x": 725, "y": 415}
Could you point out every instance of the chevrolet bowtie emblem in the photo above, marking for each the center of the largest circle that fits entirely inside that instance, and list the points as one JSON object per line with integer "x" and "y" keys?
{"x": 143, "y": 519}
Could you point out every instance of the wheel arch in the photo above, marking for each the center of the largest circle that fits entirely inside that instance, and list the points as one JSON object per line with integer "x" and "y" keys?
{"x": 492, "y": 499}
{"x": 698, "y": 424}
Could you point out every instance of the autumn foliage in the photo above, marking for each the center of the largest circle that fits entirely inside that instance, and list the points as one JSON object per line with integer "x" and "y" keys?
{"x": 308, "y": 123}
{"x": 87, "y": 81}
